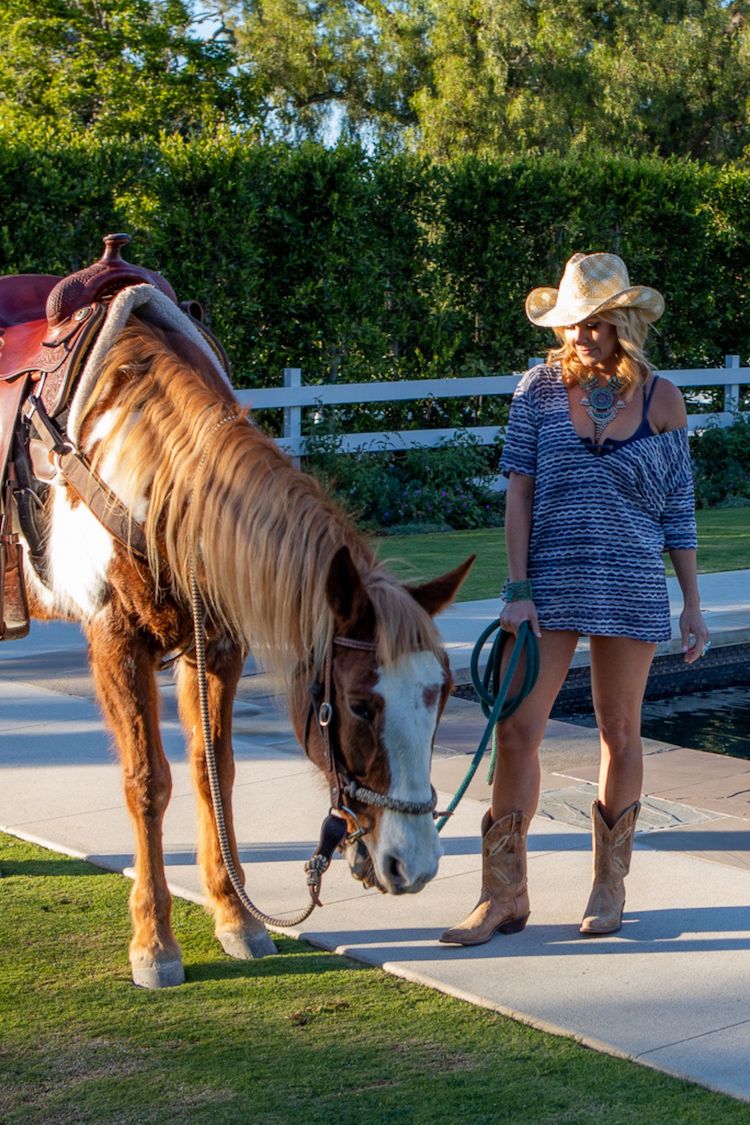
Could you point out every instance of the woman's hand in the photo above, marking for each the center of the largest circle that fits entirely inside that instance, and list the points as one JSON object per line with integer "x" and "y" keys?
{"x": 515, "y": 613}
{"x": 694, "y": 633}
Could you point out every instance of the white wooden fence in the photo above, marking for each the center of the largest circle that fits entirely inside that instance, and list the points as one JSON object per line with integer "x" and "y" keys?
{"x": 294, "y": 397}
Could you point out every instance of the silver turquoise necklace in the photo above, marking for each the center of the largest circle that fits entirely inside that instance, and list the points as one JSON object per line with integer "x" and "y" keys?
{"x": 602, "y": 403}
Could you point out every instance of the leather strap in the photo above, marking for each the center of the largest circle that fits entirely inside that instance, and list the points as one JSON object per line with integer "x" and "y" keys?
{"x": 89, "y": 487}
{"x": 12, "y": 393}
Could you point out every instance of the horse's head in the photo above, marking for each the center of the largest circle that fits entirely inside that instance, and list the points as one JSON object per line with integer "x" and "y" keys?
{"x": 370, "y": 725}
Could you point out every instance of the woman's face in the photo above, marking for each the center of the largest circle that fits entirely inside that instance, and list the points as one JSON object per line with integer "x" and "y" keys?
{"x": 594, "y": 341}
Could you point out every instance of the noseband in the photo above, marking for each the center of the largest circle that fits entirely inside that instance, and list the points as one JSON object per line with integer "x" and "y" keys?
{"x": 340, "y": 784}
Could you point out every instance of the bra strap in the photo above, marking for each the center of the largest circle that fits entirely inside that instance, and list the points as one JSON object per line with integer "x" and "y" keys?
{"x": 647, "y": 401}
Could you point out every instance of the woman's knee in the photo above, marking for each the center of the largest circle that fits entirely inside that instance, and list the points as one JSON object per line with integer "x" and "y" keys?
{"x": 516, "y": 740}
{"x": 620, "y": 734}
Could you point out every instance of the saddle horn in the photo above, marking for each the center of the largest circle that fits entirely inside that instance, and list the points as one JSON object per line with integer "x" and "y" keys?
{"x": 101, "y": 279}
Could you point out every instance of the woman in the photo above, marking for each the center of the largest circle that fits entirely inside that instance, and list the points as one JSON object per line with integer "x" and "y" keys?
{"x": 599, "y": 485}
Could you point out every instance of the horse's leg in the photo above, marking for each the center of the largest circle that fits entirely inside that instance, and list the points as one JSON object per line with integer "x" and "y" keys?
{"x": 238, "y": 932}
{"x": 123, "y": 671}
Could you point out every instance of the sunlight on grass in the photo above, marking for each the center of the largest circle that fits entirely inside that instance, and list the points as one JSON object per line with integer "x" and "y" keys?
{"x": 723, "y": 544}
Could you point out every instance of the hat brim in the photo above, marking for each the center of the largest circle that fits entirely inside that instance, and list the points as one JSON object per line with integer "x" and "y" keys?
{"x": 543, "y": 310}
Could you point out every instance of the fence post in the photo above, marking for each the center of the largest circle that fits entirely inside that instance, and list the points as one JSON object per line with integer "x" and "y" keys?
{"x": 731, "y": 390}
{"x": 293, "y": 414}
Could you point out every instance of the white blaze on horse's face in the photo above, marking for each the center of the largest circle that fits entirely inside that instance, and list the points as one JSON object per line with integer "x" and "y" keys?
{"x": 407, "y": 850}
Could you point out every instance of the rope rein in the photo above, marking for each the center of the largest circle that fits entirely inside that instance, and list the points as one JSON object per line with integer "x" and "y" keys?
{"x": 213, "y": 778}
{"x": 314, "y": 870}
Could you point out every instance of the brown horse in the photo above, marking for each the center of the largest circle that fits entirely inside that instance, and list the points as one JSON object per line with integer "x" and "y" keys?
{"x": 280, "y": 570}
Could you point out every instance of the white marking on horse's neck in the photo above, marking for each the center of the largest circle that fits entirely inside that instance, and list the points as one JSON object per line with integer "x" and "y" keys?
{"x": 111, "y": 468}
{"x": 79, "y": 552}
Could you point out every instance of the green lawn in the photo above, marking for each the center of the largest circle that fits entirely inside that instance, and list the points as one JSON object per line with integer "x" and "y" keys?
{"x": 723, "y": 536}
{"x": 301, "y": 1037}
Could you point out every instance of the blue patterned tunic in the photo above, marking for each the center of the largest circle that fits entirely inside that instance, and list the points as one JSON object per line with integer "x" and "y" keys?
{"x": 601, "y": 518}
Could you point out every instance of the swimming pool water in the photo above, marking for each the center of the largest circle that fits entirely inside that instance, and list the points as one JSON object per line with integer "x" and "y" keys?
{"x": 717, "y": 721}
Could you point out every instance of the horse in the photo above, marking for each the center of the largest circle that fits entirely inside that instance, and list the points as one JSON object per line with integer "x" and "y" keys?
{"x": 280, "y": 570}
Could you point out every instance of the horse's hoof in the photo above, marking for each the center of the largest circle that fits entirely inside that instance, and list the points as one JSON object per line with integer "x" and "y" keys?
{"x": 243, "y": 945}
{"x": 158, "y": 974}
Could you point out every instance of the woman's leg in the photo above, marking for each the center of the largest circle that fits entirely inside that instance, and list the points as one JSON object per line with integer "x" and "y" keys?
{"x": 619, "y": 671}
{"x": 504, "y": 900}
{"x": 517, "y": 771}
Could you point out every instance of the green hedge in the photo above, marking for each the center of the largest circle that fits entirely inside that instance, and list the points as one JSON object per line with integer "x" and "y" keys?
{"x": 358, "y": 268}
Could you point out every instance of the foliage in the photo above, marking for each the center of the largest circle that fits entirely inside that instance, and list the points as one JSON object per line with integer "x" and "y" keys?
{"x": 304, "y": 1036}
{"x": 443, "y": 78}
{"x": 721, "y": 464}
{"x": 360, "y": 63}
{"x": 567, "y": 76}
{"x": 128, "y": 68}
{"x": 445, "y": 487}
{"x": 358, "y": 268}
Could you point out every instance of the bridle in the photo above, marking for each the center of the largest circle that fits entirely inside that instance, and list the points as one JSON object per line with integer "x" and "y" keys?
{"x": 341, "y": 785}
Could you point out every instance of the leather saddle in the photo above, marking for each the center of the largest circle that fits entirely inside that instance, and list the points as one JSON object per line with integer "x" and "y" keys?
{"x": 48, "y": 325}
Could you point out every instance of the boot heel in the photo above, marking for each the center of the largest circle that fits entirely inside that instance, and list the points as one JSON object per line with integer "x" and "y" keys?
{"x": 513, "y": 926}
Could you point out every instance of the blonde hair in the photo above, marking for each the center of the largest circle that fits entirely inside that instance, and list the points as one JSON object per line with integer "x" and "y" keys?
{"x": 633, "y": 366}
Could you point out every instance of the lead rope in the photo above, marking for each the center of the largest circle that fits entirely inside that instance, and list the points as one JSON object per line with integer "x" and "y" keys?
{"x": 213, "y": 779}
{"x": 493, "y": 695}
{"x": 314, "y": 874}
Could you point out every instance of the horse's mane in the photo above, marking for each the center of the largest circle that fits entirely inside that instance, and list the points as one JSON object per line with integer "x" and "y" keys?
{"x": 220, "y": 491}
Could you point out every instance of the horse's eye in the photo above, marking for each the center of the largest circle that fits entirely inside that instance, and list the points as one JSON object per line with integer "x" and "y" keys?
{"x": 361, "y": 710}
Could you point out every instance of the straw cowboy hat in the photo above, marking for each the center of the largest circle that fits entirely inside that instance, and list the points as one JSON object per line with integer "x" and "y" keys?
{"x": 591, "y": 284}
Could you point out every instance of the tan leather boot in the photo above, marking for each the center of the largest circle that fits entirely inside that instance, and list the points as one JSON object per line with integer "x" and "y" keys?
{"x": 613, "y": 848}
{"x": 504, "y": 900}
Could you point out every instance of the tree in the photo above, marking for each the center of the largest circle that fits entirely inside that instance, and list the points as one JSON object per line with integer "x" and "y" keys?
{"x": 121, "y": 68}
{"x": 621, "y": 76}
{"x": 334, "y": 67}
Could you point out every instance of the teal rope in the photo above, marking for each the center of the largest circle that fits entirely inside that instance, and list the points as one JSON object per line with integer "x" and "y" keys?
{"x": 493, "y": 694}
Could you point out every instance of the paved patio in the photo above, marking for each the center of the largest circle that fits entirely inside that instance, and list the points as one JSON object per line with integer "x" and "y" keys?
{"x": 671, "y": 990}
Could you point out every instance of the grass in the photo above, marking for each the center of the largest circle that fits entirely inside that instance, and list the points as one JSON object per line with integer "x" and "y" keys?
{"x": 723, "y": 538}
{"x": 305, "y": 1036}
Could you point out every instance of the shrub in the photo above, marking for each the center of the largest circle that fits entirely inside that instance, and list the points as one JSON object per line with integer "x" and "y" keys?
{"x": 449, "y": 487}
{"x": 721, "y": 464}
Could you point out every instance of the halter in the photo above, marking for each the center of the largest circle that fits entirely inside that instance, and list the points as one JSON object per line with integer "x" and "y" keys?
{"x": 349, "y": 787}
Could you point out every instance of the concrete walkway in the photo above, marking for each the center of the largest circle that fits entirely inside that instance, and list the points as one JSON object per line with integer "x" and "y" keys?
{"x": 671, "y": 990}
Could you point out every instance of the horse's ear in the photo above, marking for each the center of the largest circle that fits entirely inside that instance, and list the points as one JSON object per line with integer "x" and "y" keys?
{"x": 346, "y": 594}
{"x": 434, "y": 596}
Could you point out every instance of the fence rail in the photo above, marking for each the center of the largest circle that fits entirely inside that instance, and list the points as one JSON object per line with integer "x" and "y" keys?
{"x": 295, "y": 397}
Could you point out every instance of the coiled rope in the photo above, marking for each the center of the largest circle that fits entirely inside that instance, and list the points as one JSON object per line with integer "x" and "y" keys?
{"x": 492, "y": 690}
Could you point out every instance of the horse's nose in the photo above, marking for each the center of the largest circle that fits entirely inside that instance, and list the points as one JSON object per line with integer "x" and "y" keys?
{"x": 397, "y": 874}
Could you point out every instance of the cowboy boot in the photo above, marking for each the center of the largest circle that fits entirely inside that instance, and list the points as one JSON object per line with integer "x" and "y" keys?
{"x": 504, "y": 900}
{"x": 613, "y": 848}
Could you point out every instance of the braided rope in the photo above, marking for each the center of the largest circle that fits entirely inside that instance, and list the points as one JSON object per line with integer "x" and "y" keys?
{"x": 367, "y": 796}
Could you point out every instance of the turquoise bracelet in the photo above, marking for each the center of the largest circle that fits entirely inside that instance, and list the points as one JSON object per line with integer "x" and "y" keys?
{"x": 517, "y": 591}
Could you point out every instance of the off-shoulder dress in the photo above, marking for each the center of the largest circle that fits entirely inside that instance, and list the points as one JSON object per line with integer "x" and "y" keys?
{"x": 602, "y": 515}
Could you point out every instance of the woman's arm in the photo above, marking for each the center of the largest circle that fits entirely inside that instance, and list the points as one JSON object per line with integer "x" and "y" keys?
{"x": 679, "y": 520}
{"x": 518, "y": 509}
{"x": 693, "y": 629}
